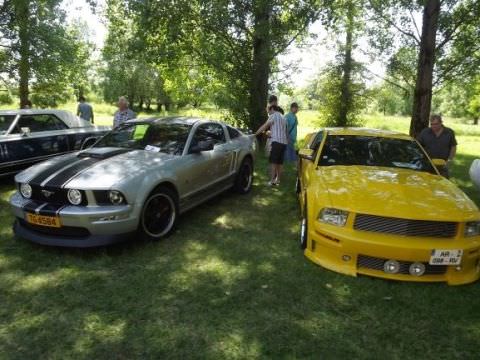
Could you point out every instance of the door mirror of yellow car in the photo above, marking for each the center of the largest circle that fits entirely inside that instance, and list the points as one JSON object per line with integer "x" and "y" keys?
{"x": 439, "y": 162}
{"x": 306, "y": 154}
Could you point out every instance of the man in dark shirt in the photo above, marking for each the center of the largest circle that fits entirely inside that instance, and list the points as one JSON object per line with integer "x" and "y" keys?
{"x": 439, "y": 141}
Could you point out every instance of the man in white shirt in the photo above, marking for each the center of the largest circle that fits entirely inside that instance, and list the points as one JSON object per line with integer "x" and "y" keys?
{"x": 278, "y": 134}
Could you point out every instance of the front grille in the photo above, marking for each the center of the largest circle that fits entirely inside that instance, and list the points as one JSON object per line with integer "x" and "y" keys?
{"x": 438, "y": 229}
{"x": 55, "y": 195}
{"x": 64, "y": 231}
{"x": 374, "y": 263}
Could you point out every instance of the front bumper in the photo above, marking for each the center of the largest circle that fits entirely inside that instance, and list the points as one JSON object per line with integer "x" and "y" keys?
{"x": 344, "y": 250}
{"x": 82, "y": 226}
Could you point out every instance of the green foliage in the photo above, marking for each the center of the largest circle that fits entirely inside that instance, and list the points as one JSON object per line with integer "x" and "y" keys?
{"x": 5, "y": 97}
{"x": 42, "y": 52}
{"x": 234, "y": 41}
{"x": 330, "y": 101}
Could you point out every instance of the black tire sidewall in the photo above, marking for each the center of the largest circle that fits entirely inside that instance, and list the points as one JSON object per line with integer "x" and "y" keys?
{"x": 166, "y": 192}
{"x": 238, "y": 180}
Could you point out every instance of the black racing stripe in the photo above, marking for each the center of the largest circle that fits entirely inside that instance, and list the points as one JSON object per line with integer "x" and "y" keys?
{"x": 51, "y": 209}
{"x": 31, "y": 206}
{"x": 37, "y": 180}
{"x": 63, "y": 176}
{"x": 83, "y": 164}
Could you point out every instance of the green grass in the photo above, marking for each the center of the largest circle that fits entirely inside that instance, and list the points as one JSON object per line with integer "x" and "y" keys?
{"x": 229, "y": 283}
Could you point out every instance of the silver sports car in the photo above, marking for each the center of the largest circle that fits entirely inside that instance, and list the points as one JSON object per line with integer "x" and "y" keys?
{"x": 136, "y": 179}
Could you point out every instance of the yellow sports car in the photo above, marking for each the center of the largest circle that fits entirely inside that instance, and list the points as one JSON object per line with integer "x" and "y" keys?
{"x": 373, "y": 203}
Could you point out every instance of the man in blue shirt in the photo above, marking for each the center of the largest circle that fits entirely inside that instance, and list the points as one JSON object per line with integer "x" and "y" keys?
{"x": 85, "y": 110}
{"x": 292, "y": 123}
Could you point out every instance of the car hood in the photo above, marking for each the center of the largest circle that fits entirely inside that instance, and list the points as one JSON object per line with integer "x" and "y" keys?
{"x": 400, "y": 193}
{"x": 95, "y": 168}
{"x": 117, "y": 169}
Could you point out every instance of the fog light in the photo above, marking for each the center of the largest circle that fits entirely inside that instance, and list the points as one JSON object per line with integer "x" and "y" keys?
{"x": 346, "y": 257}
{"x": 417, "y": 269}
{"x": 458, "y": 268}
{"x": 391, "y": 266}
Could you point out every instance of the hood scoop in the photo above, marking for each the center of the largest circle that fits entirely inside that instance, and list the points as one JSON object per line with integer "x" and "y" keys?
{"x": 102, "y": 153}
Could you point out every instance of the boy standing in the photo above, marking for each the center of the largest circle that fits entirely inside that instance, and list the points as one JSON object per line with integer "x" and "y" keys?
{"x": 292, "y": 123}
{"x": 278, "y": 129}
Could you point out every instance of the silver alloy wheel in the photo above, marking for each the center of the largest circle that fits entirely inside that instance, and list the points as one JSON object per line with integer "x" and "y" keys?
{"x": 154, "y": 214}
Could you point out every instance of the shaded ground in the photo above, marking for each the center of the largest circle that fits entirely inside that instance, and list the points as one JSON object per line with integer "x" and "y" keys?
{"x": 229, "y": 283}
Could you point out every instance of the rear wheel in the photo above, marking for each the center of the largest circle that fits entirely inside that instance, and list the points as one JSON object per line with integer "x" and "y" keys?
{"x": 159, "y": 214}
{"x": 244, "y": 179}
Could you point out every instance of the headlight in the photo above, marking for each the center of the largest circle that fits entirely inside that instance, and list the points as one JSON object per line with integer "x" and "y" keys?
{"x": 74, "y": 196}
{"x": 472, "y": 228}
{"x": 26, "y": 190}
{"x": 116, "y": 197}
{"x": 333, "y": 216}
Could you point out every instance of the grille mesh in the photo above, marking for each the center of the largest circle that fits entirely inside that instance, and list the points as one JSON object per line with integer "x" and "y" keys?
{"x": 374, "y": 263}
{"x": 438, "y": 229}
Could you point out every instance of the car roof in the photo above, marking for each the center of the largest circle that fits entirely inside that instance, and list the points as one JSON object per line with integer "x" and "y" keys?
{"x": 70, "y": 119}
{"x": 367, "y": 132}
{"x": 185, "y": 120}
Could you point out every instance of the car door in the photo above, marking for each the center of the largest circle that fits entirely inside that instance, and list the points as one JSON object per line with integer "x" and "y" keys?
{"x": 205, "y": 169}
{"x": 36, "y": 137}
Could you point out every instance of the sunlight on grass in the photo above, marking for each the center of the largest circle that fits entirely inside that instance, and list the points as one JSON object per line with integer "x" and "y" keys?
{"x": 99, "y": 332}
{"x": 236, "y": 343}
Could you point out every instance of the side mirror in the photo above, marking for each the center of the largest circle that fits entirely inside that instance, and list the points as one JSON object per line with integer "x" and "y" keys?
{"x": 306, "y": 154}
{"x": 201, "y": 146}
{"x": 439, "y": 162}
{"x": 25, "y": 131}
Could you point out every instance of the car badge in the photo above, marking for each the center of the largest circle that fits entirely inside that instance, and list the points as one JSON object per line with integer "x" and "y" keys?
{"x": 47, "y": 193}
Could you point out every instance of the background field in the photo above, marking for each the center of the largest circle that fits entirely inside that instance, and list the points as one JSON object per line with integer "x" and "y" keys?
{"x": 229, "y": 283}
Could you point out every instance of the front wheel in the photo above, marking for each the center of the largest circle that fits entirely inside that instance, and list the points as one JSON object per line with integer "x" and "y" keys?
{"x": 159, "y": 214}
{"x": 304, "y": 229}
{"x": 244, "y": 180}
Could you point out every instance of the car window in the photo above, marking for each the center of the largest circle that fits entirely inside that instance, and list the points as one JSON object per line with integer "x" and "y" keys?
{"x": 315, "y": 143}
{"x": 157, "y": 137}
{"x": 349, "y": 150}
{"x": 233, "y": 133}
{"x": 5, "y": 122}
{"x": 40, "y": 122}
{"x": 208, "y": 132}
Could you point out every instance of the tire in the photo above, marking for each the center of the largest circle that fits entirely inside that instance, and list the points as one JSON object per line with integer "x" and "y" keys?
{"x": 304, "y": 228}
{"x": 244, "y": 179}
{"x": 159, "y": 214}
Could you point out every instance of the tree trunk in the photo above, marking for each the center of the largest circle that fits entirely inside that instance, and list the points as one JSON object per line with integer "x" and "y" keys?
{"x": 345, "y": 90}
{"x": 23, "y": 21}
{"x": 261, "y": 64}
{"x": 475, "y": 121}
{"x": 422, "y": 98}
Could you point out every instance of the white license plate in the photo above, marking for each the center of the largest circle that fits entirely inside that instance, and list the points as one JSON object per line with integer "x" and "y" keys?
{"x": 446, "y": 257}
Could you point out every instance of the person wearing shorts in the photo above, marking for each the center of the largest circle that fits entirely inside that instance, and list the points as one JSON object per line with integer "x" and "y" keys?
{"x": 277, "y": 125}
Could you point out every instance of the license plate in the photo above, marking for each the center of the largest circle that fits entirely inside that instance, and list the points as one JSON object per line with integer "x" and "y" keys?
{"x": 49, "y": 221}
{"x": 446, "y": 257}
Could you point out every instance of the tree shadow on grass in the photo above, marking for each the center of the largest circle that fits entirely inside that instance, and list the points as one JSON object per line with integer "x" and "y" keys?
{"x": 229, "y": 283}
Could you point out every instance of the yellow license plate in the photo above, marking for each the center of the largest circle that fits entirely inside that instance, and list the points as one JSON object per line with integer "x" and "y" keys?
{"x": 50, "y": 221}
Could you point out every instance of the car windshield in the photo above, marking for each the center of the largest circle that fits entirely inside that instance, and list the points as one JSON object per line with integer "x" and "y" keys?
{"x": 374, "y": 151}
{"x": 5, "y": 122}
{"x": 167, "y": 138}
